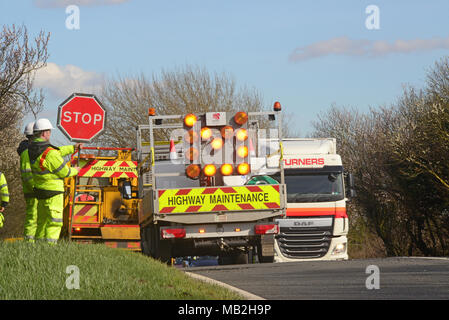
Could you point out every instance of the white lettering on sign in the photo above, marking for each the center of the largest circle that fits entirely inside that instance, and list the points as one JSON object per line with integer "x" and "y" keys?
{"x": 304, "y": 162}
{"x": 85, "y": 118}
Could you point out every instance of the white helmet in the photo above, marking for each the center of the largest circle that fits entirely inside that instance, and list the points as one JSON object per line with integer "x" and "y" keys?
{"x": 29, "y": 129}
{"x": 42, "y": 125}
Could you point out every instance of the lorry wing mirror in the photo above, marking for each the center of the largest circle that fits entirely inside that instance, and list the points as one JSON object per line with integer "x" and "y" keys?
{"x": 125, "y": 190}
{"x": 350, "y": 180}
{"x": 351, "y": 193}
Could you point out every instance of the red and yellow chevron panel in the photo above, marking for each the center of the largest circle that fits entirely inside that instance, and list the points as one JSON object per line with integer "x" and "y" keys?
{"x": 130, "y": 245}
{"x": 109, "y": 169}
{"x": 85, "y": 213}
{"x": 209, "y": 199}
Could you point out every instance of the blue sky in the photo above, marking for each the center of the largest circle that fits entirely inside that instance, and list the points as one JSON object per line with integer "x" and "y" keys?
{"x": 308, "y": 55}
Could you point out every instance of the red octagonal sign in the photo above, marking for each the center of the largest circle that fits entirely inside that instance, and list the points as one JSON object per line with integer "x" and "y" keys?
{"x": 81, "y": 117}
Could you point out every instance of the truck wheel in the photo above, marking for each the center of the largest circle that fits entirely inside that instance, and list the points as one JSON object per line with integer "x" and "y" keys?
{"x": 241, "y": 258}
{"x": 224, "y": 260}
{"x": 156, "y": 248}
{"x": 233, "y": 258}
{"x": 144, "y": 244}
{"x": 265, "y": 249}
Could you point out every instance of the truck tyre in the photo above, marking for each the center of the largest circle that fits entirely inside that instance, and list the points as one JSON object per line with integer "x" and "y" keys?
{"x": 144, "y": 244}
{"x": 265, "y": 249}
{"x": 224, "y": 260}
{"x": 154, "y": 246}
{"x": 238, "y": 257}
{"x": 241, "y": 258}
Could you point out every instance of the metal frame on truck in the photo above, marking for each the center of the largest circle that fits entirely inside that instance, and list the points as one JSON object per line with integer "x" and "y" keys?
{"x": 218, "y": 212}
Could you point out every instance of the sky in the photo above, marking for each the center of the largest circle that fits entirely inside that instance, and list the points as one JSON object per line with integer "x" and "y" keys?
{"x": 308, "y": 55}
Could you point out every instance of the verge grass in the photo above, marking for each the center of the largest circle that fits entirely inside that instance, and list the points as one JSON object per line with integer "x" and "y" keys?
{"x": 41, "y": 272}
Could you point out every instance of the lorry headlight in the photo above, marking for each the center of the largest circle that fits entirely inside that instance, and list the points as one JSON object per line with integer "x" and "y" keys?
{"x": 339, "y": 248}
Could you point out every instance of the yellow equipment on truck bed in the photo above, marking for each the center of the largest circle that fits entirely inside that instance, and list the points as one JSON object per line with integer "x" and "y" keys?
{"x": 101, "y": 204}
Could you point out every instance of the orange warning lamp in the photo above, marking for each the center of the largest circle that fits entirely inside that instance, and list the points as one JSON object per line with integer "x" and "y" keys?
{"x": 210, "y": 170}
{"x": 241, "y": 118}
{"x": 241, "y": 134}
{"x": 227, "y": 132}
{"x": 190, "y": 120}
{"x": 277, "y": 106}
{"x": 242, "y": 151}
{"x": 226, "y": 169}
{"x": 192, "y": 154}
{"x": 243, "y": 168}
{"x": 217, "y": 143}
{"x": 206, "y": 133}
{"x": 191, "y": 136}
{"x": 151, "y": 111}
{"x": 193, "y": 171}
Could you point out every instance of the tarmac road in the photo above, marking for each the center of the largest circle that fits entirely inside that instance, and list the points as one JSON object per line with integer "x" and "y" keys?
{"x": 395, "y": 278}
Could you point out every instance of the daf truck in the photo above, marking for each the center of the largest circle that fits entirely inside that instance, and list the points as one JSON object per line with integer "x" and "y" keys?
{"x": 316, "y": 223}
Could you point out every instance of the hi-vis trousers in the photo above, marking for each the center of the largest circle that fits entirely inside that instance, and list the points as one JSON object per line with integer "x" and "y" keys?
{"x": 30, "y": 219}
{"x": 49, "y": 218}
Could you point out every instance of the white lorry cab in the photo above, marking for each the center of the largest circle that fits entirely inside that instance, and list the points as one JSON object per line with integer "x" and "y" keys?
{"x": 316, "y": 223}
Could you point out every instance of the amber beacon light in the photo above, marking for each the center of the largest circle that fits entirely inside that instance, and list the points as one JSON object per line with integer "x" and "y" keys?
{"x": 190, "y": 120}
{"x": 241, "y": 118}
{"x": 277, "y": 106}
{"x": 243, "y": 168}
{"x": 209, "y": 170}
{"x": 226, "y": 169}
{"x": 193, "y": 171}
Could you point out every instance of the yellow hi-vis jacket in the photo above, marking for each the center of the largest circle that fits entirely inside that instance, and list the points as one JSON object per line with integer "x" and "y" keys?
{"x": 49, "y": 168}
{"x": 25, "y": 170}
{"x": 4, "y": 194}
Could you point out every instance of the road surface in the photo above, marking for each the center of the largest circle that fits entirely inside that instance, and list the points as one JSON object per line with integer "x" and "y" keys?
{"x": 390, "y": 278}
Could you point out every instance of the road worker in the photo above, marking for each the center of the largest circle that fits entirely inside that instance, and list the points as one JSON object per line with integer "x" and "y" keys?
{"x": 49, "y": 170}
{"x": 28, "y": 185}
{"x": 4, "y": 197}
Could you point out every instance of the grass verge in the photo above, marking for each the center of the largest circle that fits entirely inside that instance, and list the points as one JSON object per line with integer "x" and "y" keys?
{"x": 40, "y": 271}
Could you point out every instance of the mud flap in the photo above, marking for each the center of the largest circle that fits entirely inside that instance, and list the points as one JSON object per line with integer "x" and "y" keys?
{"x": 265, "y": 249}
{"x": 267, "y": 244}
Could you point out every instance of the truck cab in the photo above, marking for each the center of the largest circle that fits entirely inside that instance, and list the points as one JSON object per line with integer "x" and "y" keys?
{"x": 316, "y": 223}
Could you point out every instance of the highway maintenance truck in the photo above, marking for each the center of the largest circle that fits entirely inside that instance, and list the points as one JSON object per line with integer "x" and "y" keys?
{"x": 199, "y": 193}
{"x": 316, "y": 224}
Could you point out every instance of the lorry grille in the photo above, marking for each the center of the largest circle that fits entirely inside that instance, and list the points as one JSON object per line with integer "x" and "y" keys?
{"x": 304, "y": 243}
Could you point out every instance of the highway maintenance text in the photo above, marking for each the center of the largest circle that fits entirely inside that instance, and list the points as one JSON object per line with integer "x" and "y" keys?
{"x": 217, "y": 199}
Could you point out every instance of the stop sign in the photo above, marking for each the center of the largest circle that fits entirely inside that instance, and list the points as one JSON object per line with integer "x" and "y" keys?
{"x": 81, "y": 117}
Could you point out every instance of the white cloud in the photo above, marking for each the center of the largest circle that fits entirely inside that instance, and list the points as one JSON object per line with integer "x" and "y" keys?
{"x": 65, "y": 3}
{"x": 349, "y": 47}
{"x": 61, "y": 81}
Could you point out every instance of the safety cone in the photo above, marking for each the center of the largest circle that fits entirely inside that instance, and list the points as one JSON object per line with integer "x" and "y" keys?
{"x": 252, "y": 152}
{"x": 173, "y": 153}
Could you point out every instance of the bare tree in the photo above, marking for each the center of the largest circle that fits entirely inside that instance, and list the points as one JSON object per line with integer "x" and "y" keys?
{"x": 184, "y": 90}
{"x": 19, "y": 59}
{"x": 399, "y": 157}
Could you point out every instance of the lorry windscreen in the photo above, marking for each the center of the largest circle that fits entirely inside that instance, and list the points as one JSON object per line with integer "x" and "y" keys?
{"x": 313, "y": 187}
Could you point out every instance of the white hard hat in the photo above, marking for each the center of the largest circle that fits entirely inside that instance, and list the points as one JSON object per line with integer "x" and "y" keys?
{"x": 42, "y": 125}
{"x": 29, "y": 129}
